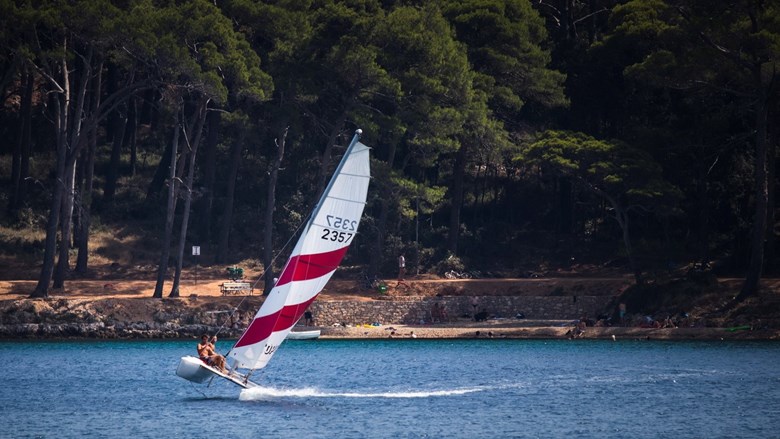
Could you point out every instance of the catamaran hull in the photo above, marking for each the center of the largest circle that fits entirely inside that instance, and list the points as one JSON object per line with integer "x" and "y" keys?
{"x": 303, "y": 335}
{"x": 195, "y": 370}
{"x": 192, "y": 369}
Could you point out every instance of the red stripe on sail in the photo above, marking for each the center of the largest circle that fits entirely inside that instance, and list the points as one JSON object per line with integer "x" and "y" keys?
{"x": 305, "y": 267}
{"x": 262, "y": 327}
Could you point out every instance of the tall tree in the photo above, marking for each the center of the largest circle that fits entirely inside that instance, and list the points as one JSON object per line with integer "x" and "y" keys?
{"x": 162, "y": 267}
{"x": 270, "y": 205}
{"x": 434, "y": 95}
{"x": 213, "y": 62}
{"x": 239, "y": 125}
{"x": 199, "y": 121}
{"x": 733, "y": 52}
{"x": 506, "y": 45}
{"x": 627, "y": 178}
{"x": 86, "y": 186}
{"x": 61, "y": 34}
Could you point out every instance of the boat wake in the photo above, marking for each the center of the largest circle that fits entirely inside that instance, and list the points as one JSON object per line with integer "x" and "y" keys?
{"x": 262, "y": 393}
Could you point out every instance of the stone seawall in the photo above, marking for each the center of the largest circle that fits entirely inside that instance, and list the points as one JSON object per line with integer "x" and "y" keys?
{"x": 176, "y": 318}
{"x": 413, "y": 310}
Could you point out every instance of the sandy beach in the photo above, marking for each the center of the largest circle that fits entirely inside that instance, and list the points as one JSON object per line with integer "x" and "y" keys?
{"x": 498, "y": 329}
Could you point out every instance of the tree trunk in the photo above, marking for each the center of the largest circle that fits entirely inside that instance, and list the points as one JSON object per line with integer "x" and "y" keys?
{"x": 758, "y": 232}
{"x": 375, "y": 257}
{"x": 61, "y": 106}
{"x": 324, "y": 173}
{"x": 85, "y": 199}
{"x": 66, "y": 221}
{"x": 165, "y": 252}
{"x": 268, "y": 232}
{"x": 160, "y": 173}
{"x": 21, "y": 156}
{"x": 622, "y": 217}
{"x": 227, "y": 218}
{"x": 131, "y": 134}
{"x": 456, "y": 199}
{"x": 209, "y": 174}
{"x": 702, "y": 188}
{"x": 565, "y": 205}
{"x": 112, "y": 174}
{"x": 73, "y": 150}
{"x": 201, "y": 119}
{"x": 50, "y": 245}
{"x": 772, "y": 137}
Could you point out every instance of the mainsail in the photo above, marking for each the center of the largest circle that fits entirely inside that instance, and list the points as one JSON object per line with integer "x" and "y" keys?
{"x": 322, "y": 245}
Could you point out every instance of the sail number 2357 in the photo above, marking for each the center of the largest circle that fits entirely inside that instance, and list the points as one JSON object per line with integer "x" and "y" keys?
{"x": 341, "y": 229}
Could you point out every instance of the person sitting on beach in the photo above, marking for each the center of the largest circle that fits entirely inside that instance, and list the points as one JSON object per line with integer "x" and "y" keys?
{"x": 579, "y": 328}
{"x": 443, "y": 314}
{"x": 481, "y": 316}
{"x": 208, "y": 354}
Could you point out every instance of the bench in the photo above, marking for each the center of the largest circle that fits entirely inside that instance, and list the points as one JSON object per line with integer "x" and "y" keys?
{"x": 235, "y": 288}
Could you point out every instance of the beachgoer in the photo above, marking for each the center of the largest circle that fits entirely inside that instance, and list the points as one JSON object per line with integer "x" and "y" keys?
{"x": 578, "y": 329}
{"x": 401, "y": 270}
{"x": 622, "y": 313}
{"x": 208, "y": 354}
{"x": 309, "y": 318}
{"x": 443, "y": 313}
{"x": 435, "y": 313}
{"x": 474, "y": 304}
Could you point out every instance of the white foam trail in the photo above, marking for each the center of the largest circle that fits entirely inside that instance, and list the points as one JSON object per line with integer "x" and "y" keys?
{"x": 259, "y": 393}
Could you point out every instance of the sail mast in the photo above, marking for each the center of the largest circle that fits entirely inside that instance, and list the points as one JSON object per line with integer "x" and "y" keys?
{"x": 330, "y": 229}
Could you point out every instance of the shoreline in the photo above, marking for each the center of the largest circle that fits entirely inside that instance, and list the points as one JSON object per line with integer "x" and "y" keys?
{"x": 453, "y": 331}
{"x": 551, "y": 333}
{"x": 122, "y": 310}
{"x": 546, "y": 333}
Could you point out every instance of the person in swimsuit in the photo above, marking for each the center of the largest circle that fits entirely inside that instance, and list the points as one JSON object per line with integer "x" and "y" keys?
{"x": 208, "y": 354}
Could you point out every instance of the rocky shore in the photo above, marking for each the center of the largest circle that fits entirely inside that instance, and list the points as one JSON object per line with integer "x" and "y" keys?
{"x": 184, "y": 318}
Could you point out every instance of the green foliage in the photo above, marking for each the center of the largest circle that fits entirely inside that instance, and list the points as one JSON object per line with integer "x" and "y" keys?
{"x": 669, "y": 83}
{"x": 505, "y": 43}
{"x": 414, "y": 198}
{"x": 610, "y": 169}
{"x": 449, "y": 262}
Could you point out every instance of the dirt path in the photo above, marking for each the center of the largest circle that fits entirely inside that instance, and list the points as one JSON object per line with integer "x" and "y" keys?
{"x": 111, "y": 286}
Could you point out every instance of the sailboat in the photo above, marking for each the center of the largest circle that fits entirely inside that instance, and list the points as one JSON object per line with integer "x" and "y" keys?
{"x": 323, "y": 243}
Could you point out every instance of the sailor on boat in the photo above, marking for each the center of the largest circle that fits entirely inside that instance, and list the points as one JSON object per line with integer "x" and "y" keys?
{"x": 324, "y": 240}
{"x": 208, "y": 354}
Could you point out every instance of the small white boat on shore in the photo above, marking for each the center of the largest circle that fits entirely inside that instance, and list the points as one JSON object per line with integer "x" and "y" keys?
{"x": 303, "y": 335}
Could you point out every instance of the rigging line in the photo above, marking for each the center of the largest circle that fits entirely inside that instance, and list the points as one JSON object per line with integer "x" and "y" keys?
{"x": 199, "y": 391}
{"x": 235, "y": 309}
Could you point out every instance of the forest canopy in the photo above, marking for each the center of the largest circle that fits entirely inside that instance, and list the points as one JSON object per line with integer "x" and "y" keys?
{"x": 508, "y": 136}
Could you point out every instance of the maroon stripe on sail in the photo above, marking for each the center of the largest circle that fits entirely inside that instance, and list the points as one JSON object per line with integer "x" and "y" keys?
{"x": 262, "y": 327}
{"x": 305, "y": 267}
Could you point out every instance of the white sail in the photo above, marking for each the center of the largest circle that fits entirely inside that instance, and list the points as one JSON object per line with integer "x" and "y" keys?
{"x": 319, "y": 251}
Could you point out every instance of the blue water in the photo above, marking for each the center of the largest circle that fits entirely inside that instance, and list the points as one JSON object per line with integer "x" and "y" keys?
{"x": 399, "y": 389}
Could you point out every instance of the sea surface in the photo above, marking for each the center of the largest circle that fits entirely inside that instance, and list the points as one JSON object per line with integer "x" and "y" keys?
{"x": 399, "y": 389}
